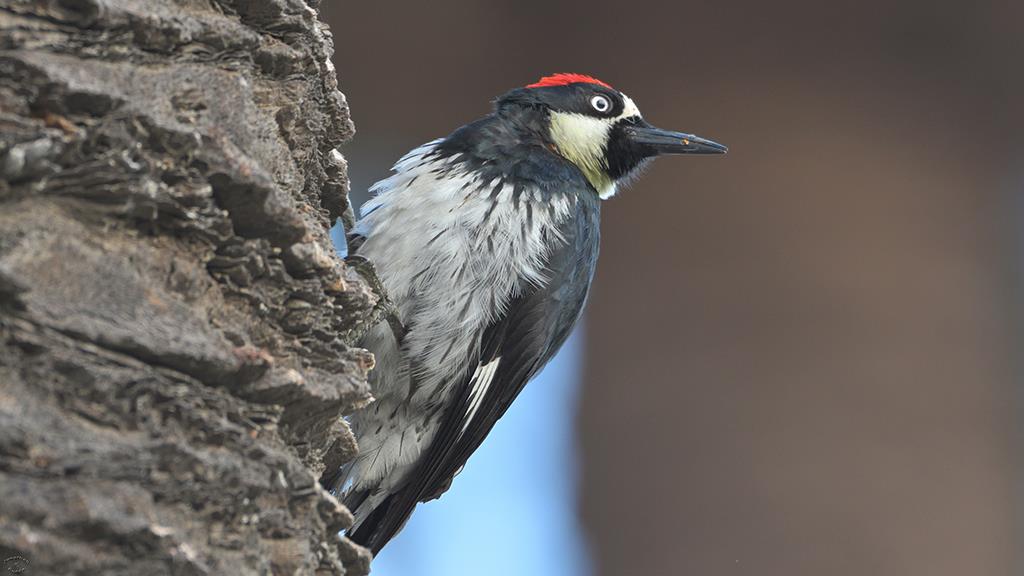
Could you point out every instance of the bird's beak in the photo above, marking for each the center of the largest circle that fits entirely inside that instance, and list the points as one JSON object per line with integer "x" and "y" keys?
{"x": 669, "y": 142}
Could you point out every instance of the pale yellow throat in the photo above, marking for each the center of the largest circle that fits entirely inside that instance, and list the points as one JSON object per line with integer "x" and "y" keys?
{"x": 582, "y": 140}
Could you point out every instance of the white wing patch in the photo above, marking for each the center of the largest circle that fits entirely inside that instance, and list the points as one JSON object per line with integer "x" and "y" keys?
{"x": 480, "y": 382}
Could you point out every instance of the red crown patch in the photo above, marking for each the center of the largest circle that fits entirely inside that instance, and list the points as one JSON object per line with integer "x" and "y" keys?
{"x": 566, "y": 79}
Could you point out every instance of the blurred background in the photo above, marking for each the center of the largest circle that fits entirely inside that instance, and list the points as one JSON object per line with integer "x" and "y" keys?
{"x": 801, "y": 358}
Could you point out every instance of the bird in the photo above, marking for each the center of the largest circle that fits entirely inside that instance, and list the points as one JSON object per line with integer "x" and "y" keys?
{"x": 485, "y": 244}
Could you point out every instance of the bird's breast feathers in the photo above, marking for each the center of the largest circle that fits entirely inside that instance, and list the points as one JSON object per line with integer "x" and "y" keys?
{"x": 452, "y": 246}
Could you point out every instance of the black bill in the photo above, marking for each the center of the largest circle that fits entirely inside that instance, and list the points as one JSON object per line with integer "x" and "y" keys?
{"x": 669, "y": 142}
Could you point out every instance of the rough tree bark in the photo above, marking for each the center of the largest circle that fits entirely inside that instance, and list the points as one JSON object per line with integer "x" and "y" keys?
{"x": 175, "y": 326}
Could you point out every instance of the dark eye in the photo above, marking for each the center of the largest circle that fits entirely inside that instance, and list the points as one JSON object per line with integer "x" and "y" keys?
{"x": 601, "y": 103}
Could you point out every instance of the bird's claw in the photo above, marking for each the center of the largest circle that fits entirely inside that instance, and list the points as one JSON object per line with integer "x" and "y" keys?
{"x": 384, "y": 308}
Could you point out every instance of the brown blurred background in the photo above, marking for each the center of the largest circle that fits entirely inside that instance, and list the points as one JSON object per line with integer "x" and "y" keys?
{"x": 801, "y": 358}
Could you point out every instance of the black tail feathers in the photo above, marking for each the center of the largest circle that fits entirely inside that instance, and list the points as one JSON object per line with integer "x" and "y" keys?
{"x": 384, "y": 521}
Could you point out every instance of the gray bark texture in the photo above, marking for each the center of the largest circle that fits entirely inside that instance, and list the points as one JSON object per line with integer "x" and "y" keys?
{"x": 175, "y": 326}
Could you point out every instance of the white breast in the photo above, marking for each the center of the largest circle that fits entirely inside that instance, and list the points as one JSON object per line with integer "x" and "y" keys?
{"x": 451, "y": 257}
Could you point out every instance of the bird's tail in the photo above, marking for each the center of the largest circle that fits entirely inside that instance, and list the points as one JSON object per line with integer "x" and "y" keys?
{"x": 379, "y": 516}
{"x": 377, "y": 522}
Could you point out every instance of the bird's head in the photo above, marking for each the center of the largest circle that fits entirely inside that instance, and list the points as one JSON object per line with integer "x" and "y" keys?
{"x": 600, "y": 129}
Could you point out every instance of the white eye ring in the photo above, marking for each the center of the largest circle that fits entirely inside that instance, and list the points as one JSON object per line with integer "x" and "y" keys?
{"x": 601, "y": 103}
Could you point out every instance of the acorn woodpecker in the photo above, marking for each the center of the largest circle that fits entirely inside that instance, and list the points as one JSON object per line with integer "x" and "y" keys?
{"x": 485, "y": 242}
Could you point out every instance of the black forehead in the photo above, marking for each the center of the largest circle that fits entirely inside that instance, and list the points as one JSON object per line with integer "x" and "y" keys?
{"x": 568, "y": 98}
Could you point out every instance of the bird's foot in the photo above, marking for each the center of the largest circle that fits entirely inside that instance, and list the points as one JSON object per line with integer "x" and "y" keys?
{"x": 385, "y": 308}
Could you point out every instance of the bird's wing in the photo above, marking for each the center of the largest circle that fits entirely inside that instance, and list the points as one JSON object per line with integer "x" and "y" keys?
{"x": 513, "y": 349}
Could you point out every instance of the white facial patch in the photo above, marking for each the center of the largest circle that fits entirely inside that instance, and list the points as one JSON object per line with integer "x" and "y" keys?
{"x": 629, "y": 109}
{"x": 583, "y": 140}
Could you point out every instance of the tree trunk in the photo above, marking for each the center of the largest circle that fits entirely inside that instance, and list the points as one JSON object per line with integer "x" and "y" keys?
{"x": 175, "y": 326}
